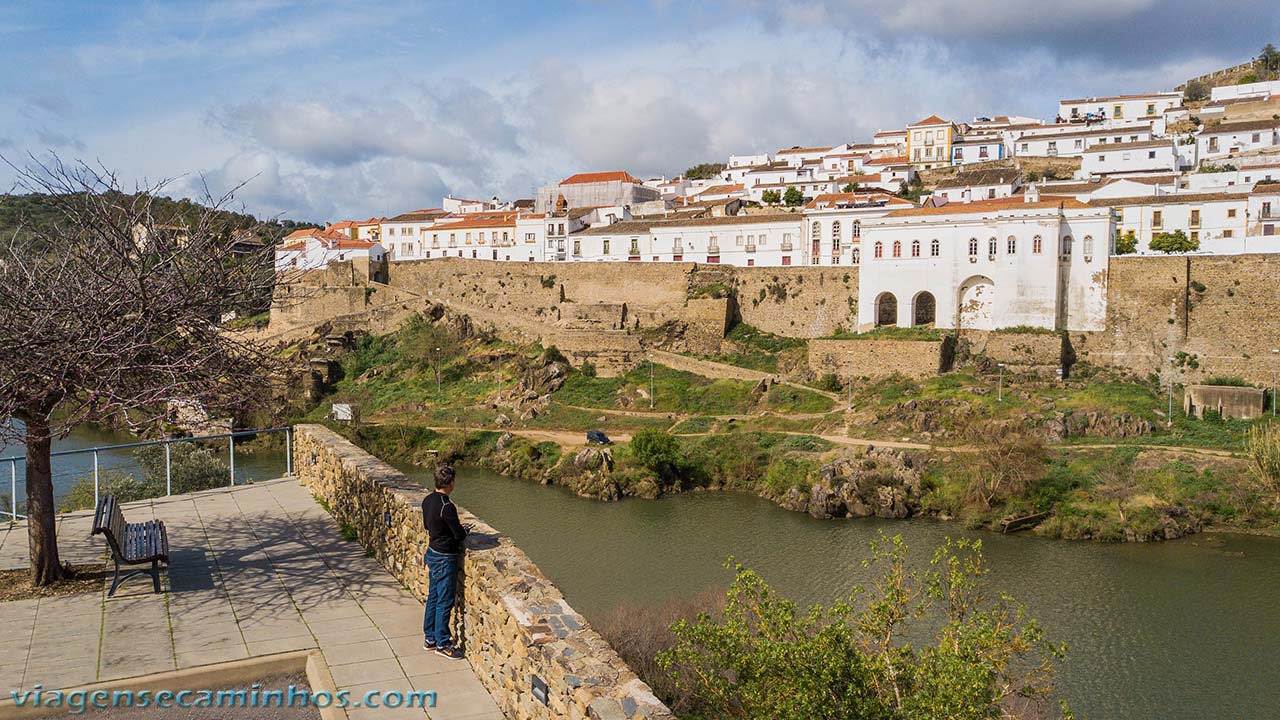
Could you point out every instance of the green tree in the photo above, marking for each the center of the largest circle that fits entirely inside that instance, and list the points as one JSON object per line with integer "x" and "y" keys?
{"x": 1173, "y": 242}
{"x": 1269, "y": 58}
{"x": 1195, "y": 91}
{"x": 1127, "y": 244}
{"x": 765, "y": 657}
{"x": 793, "y": 197}
{"x": 656, "y": 450}
{"x": 850, "y": 187}
{"x": 771, "y": 197}
{"x": 704, "y": 171}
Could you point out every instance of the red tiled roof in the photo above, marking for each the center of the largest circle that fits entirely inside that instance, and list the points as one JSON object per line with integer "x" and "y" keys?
{"x": 931, "y": 120}
{"x": 1017, "y": 202}
{"x": 593, "y": 177}
{"x": 826, "y": 200}
{"x": 504, "y": 221}
{"x": 794, "y": 150}
{"x": 298, "y": 239}
{"x": 718, "y": 189}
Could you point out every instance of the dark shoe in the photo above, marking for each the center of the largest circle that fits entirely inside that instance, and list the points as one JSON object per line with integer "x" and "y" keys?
{"x": 451, "y": 653}
{"x": 428, "y": 645}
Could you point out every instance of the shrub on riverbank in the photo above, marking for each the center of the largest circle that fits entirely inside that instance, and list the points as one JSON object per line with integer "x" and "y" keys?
{"x": 765, "y": 657}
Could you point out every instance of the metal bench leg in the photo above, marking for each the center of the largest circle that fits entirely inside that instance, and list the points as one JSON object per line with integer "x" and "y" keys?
{"x": 115, "y": 580}
{"x": 155, "y": 575}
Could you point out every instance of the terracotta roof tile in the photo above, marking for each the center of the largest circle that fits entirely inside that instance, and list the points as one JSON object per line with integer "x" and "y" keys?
{"x": 594, "y": 177}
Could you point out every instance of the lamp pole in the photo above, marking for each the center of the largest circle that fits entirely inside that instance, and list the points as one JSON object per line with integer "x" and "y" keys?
{"x": 849, "y": 408}
{"x": 1169, "y": 418}
{"x": 1000, "y": 385}
{"x": 437, "y": 364}
{"x": 1275, "y": 374}
{"x": 650, "y": 381}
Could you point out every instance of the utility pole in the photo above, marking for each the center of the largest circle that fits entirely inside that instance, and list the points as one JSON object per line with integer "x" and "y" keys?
{"x": 651, "y": 381}
{"x": 1000, "y": 385}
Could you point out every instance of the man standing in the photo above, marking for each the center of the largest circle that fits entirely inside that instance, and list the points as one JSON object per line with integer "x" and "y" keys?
{"x": 444, "y": 553}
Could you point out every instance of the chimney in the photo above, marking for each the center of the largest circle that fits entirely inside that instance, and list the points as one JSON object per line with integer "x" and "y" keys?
{"x": 1032, "y": 194}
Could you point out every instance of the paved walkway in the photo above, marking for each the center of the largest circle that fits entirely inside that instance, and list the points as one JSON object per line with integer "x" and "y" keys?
{"x": 255, "y": 570}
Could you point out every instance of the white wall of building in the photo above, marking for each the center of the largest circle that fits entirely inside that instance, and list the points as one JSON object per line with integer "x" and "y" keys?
{"x": 1110, "y": 158}
{"x": 1257, "y": 89}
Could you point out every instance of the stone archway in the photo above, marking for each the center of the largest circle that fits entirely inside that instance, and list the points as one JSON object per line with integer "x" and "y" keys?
{"x": 976, "y": 298}
{"x": 886, "y": 309}
{"x": 924, "y": 309}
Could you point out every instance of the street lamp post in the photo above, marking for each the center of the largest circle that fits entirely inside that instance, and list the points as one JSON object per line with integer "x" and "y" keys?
{"x": 849, "y": 382}
{"x": 1000, "y": 385}
{"x": 651, "y": 382}
{"x": 1169, "y": 418}
{"x": 437, "y": 364}
{"x": 1275, "y": 374}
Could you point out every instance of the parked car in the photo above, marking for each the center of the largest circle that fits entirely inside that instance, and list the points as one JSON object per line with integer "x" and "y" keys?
{"x": 595, "y": 437}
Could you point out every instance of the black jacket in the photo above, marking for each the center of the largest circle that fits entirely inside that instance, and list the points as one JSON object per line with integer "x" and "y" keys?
{"x": 440, "y": 517}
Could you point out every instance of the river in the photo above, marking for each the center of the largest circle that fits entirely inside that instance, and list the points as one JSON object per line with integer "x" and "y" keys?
{"x": 256, "y": 464}
{"x": 1183, "y": 629}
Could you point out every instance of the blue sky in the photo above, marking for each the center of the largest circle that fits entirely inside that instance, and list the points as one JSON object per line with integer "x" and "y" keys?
{"x": 334, "y": 110}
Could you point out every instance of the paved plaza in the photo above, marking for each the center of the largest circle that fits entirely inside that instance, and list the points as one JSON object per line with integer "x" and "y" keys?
{"x": 255, "y": 570}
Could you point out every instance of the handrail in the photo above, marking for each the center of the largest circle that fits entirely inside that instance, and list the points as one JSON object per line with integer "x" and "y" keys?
{"x": 13, "y": 460}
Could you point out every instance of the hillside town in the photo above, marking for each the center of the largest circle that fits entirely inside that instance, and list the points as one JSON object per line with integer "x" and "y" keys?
{"x": 944, "y": 211}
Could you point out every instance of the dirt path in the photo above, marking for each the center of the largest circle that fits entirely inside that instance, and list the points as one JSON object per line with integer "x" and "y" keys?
{"x": 712, "y": 369}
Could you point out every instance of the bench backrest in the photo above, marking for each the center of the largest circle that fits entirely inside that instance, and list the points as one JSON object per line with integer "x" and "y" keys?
{"x": 109, "y": 520}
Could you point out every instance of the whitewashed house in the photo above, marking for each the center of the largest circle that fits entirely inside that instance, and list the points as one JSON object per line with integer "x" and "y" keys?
{"x": 1254, "y": 90}
{"x": 1226, "y": 139}
{"x": 314, "y": 249}
{"x": 1055, "y": 142}
{"x": 979, "y": 185}
{"x": 403, "y": 235}
{"x": 1115, "y": 108}
{"x": 987, "y": 264}
{"x": 1215, "y": 220}
{"x": 1143, "y": 156}
{"x": 833, "y": 225}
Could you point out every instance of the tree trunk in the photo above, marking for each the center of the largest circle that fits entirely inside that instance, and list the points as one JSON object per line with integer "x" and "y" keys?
{"x": 42, "y": 529}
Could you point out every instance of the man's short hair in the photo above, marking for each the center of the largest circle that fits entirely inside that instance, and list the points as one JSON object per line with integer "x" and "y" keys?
{"x": 444, "y": 476}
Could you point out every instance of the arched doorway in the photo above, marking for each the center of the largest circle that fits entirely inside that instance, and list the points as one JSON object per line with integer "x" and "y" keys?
{"x": 886, "y": 310}
{"x": 924, "y": 309}
{"x": 975, "y": 302}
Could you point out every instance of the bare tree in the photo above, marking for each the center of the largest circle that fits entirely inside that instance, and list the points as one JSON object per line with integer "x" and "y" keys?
{"x": 1008, "y": 461}
{"x": 110, "y": 313}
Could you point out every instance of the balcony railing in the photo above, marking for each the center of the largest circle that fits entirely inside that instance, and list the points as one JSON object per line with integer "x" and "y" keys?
{"x": 634, "y": 252}
{"x": 786, "y": 247}
{"x": 751, "y": 248}
{"x": 713, "y": 249}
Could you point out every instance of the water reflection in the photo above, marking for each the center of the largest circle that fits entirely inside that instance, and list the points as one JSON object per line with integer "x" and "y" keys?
{"x": 1185, "y": 629}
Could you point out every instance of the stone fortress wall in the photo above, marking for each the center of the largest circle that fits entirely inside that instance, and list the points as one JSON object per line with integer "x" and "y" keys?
{"x": 516, "y": 627}
{"x": 1216, "y": 315}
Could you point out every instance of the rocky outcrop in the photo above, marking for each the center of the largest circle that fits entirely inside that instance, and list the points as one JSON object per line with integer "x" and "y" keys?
{"x": 1172, "y": 523}
{"x": 879, "y": 482}
{"x": 1094, "y": 424}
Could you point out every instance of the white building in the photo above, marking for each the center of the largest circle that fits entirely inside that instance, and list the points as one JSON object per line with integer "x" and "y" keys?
{"x": 403, "y": 234}
{"x": 479, "y": 236}
{"x": 833, "y": 225}
{"x": 1258, "y": 90}
{"x": 594, "y": 189}
{"x": 1053, "y": 141}
{"x": 987, "y": 264}
{"x": 1147, "y": 106}
{"x": 314, "y": 249}
{"x": 1232, "y": 138}
{"x": 1143, "y": 156}
{"x": 1215, "y": 220}
{"x": 979, "y": 185}
{"x": 452, "y": 204}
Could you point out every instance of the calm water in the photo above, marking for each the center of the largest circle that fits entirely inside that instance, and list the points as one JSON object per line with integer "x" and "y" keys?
{"x": 260, "y": 464}
{"x": 1171, "y": 630}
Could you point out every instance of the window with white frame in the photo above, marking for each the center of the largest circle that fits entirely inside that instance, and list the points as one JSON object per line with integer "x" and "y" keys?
{"x": 935, "y": 248}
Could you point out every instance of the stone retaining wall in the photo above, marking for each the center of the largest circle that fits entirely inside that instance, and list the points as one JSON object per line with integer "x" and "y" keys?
{"x": 514, "y": 623}
{"x": 875, "y": 358}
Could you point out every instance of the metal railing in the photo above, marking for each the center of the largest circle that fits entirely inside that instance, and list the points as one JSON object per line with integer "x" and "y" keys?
{"x": 12, "y": 511}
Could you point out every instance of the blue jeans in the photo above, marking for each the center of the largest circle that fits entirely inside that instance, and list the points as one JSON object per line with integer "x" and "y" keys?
{"x": 440, "y": 597}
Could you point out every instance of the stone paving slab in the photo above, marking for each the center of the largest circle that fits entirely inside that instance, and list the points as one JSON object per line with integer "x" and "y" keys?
{"x": 255, "y": 570}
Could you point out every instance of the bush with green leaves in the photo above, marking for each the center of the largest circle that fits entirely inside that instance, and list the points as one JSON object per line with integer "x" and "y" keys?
{"x": 793, "y": 196}
{"x": 1173, "y": 242}
{"x": 656, "y": 450}
{"x": 1127, "y": 244}
{"x": 765, "y": 657}
{"x": 771, "y": 197}
{"x": 194, "y": 467}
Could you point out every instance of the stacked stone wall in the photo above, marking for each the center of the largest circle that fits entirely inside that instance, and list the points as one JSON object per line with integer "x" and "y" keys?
{"x": 515, "y": 624}
{"x": 799, "y": 302}
{"x": 875, "y": 358}
{"x": 1018, "y": 349}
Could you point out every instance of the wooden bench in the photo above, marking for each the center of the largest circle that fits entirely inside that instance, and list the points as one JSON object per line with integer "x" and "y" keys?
{"x": 131, "y": 543}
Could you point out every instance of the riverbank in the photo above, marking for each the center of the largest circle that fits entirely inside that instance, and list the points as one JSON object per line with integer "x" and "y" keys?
{"x": 1112, "y": 494}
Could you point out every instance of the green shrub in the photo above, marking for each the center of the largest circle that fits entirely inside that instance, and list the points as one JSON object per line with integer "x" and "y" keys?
{"x": 654, "y": 449}
{"x": 1227, "y": 381}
